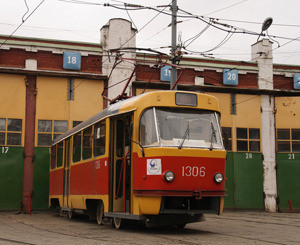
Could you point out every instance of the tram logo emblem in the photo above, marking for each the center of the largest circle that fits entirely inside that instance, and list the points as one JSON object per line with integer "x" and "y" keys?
{"x": 153, "y": 166}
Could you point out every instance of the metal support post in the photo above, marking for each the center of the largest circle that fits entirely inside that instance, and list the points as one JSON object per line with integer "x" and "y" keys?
{"x": 174, "y": 9}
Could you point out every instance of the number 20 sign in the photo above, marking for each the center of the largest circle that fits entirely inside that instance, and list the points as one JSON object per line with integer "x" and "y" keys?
{"x": 72, "y": 60}
{"x": 230, "y": 77}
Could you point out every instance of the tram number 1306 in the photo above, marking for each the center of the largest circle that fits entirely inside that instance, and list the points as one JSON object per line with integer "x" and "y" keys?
{"x": 189, "y": 171}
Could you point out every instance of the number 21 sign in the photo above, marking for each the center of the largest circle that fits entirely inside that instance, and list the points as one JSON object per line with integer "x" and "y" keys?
{"x": 230, "y": 77}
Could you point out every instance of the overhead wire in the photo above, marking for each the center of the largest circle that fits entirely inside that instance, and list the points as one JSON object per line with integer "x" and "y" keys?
{"x": 131, "y": 36}
{"x": 214, "y": 22}
{"x": 232, "y": 5}
{"x": 227, "y": 37}
{"x": 23, "y": 21}
{"x": 25, "y": 1}
{"x": 131, "y": 18}
{"x": 195, "y": 37}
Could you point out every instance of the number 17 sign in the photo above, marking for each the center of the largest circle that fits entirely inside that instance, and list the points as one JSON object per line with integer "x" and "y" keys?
{"x": 230, "y": 77}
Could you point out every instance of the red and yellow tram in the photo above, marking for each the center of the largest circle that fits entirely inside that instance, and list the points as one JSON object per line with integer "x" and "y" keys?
{"x": 157, "y": 157}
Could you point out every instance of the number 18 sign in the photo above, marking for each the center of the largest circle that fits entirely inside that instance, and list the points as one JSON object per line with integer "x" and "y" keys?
{"x": 230, "y": 77}
{"x": 72, "y": 60}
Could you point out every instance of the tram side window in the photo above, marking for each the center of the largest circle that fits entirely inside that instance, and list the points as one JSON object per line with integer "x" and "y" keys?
{"x": 59, "y": 158}
{"x": 87, "y": 144}
{"x": 99, "y": 139}
{"x": 248, "y": 139}
{"x": 288, "y": 140}
{"x": 10, "y": 131}
{"x": 77, "y": 147}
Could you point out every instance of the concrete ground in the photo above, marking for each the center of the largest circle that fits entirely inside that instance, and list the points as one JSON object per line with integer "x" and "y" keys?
{"x": 231, "y": 228}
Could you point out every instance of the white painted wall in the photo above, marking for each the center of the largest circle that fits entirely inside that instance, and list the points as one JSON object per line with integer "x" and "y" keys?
{"x": 261, "y": 52}
{"x": 118, "y": 33}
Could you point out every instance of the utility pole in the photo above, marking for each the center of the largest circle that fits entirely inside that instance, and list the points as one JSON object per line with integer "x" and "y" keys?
{"x": 174, "y": 9}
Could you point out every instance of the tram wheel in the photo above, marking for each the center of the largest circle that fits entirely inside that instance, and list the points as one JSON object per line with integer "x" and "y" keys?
{"x": 100, "y": 213}
{"x": 118, "y": 223}
{"x": 70, "y": 215}
{"x": 180, "y": 226}
{"x": 61, "y": 213}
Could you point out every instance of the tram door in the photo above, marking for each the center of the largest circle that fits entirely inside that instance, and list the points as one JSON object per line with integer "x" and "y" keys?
{"x": 66, "y": 192}
{"x": 120, "y": 164}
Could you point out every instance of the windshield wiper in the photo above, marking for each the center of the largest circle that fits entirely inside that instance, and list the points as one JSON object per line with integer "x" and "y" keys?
{"x": 213, "y": 134}
{"x": 184, "y": 136}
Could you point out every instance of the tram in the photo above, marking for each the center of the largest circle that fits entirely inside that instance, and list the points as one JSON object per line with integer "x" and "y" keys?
{"x": 157, "y": 158}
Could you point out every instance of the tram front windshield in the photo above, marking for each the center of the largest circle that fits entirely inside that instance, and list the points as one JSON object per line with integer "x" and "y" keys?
{"x": 182, "y": 128}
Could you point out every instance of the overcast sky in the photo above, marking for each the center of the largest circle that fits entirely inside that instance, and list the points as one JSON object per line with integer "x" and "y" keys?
{"x": 68, "y": 20}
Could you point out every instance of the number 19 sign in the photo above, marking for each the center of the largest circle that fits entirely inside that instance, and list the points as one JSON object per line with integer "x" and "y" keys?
{"x": 230, "y": 77}
{"x": 165, "y": 73}
{"x": 72, "y": 60}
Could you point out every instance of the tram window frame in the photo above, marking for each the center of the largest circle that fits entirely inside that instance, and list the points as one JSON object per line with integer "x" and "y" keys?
{"x": 99, "y": 147}
{"x": 53, "y": 157}
{"x": 11, "y": 131}
{"x": 120, "y": 137}
{"x": 227, "y": 138}
{"x": 49, "y": 130}
{"x": 87, "y": 143}
{"x": 77, "y": 147}
{"x": 288, "y": 140}
{"x": 60, "y": 154}
{"x": 248, "y": 139}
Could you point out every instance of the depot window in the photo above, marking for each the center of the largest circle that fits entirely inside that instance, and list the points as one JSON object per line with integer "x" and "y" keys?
{"x": 288, "y": 140}
{"x": 49, "y": 130}
{"x": 248, "y": 139}
{"x": 10, "y": 131}
{"x": 227, "y": 138}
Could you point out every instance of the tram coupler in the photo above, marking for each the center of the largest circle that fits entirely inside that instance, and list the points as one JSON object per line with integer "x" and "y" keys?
{"x": 197, "y": 194}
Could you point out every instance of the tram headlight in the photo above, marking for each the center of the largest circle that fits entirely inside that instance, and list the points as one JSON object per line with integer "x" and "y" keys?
{"x": 218, "y": 178}
{"x": 169, "y": 176}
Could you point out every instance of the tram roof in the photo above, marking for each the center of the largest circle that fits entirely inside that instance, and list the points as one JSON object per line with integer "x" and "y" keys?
{"x": 114, "y": 109}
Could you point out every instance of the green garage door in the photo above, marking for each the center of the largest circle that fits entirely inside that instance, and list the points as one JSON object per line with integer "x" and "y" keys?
{"x": 11, "y": 177}
{"x": 244, "y": 173}
{"x": 288, "y": 184}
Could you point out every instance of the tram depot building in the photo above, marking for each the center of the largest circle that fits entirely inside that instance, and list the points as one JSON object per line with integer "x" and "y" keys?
{"x": 49, "y": 86}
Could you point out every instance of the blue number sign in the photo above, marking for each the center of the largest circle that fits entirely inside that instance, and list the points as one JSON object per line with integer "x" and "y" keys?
{"x": 297, "y": 81}
{"x": 72, "y": 60}
{"x": 165, "y": 73}
{"x": 230, "y": 77}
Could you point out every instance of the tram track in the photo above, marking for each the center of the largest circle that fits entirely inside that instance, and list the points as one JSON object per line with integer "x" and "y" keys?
{"x": 184, "y": 242}
{"x": 82, "y": 231}
{"x": 250, "y": 239}
{"x": 103, "y": 239}
{"x": 258, "y": 221}
{"x": 15, "y": 241}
